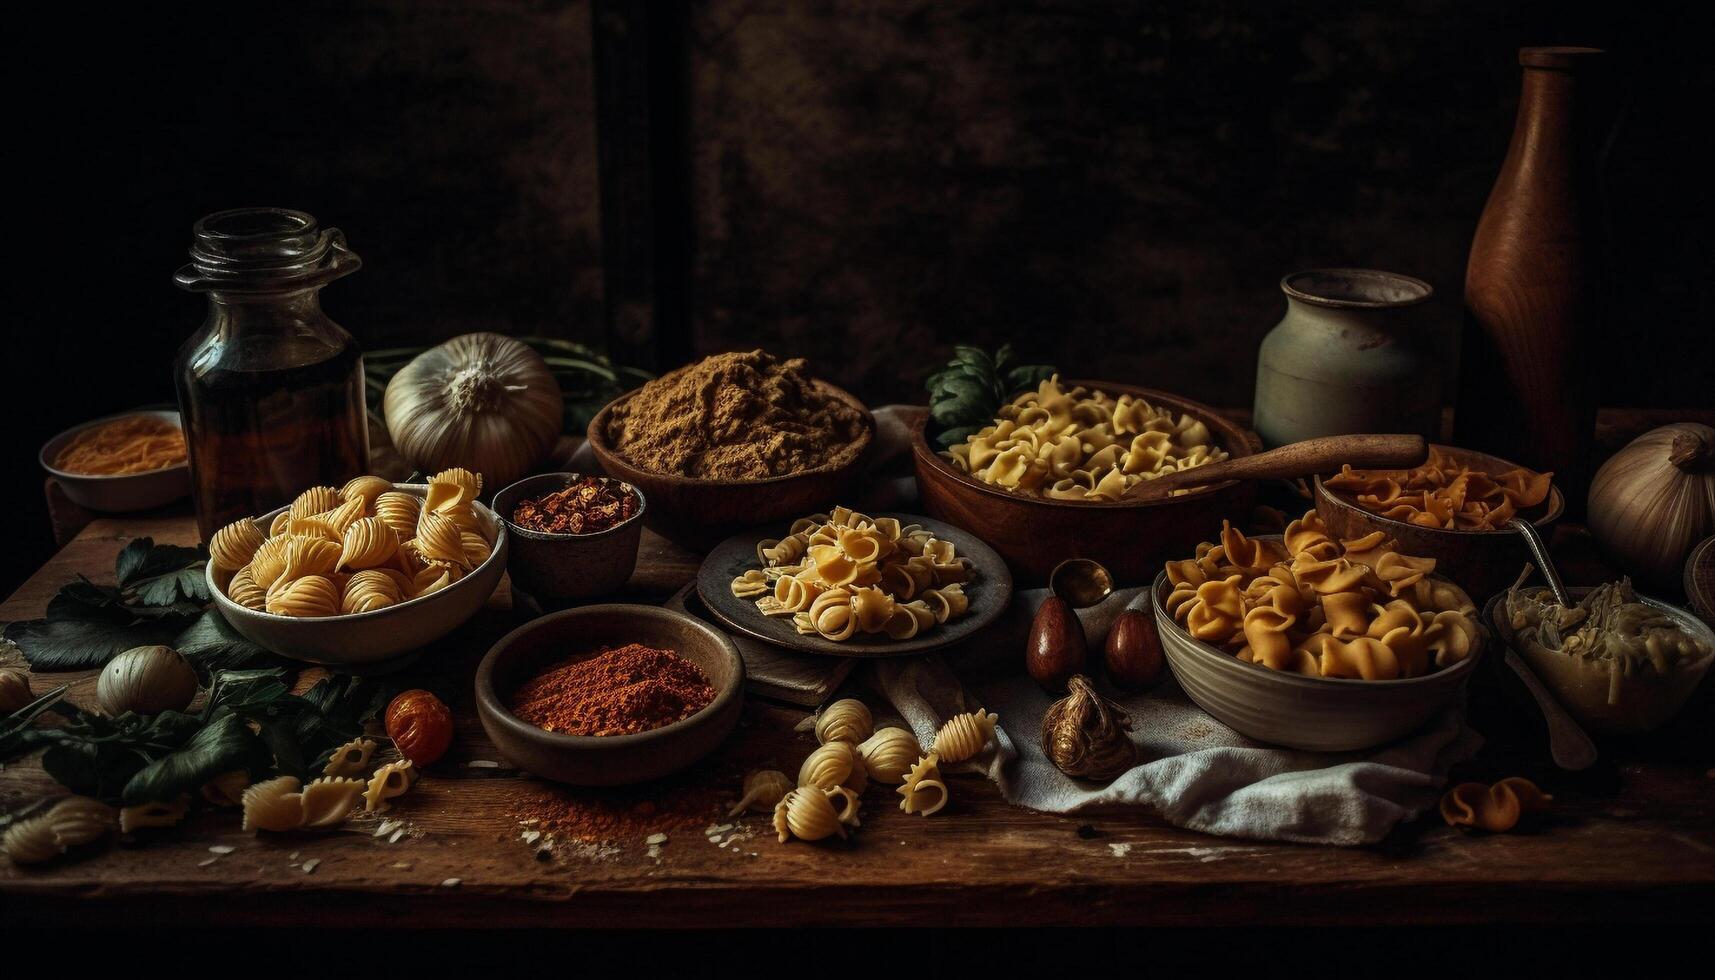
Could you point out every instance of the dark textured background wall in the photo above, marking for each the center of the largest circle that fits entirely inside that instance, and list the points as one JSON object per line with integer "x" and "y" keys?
{"x": 1119, "y": 187}
{"x": 1114, "y": 186}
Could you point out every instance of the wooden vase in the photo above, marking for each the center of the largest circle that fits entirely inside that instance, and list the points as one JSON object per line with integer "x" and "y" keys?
{"x": 1533, "y": 284}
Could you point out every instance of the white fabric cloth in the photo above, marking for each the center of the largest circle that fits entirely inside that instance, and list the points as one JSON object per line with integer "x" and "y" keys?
{"x": 1194, "y": 771}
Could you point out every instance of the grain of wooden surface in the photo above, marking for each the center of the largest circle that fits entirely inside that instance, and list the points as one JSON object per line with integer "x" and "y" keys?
{"x": 1642, "y": 849}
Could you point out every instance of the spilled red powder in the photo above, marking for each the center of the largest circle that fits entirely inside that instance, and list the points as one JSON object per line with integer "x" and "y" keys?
{"x": 619, "y": 691}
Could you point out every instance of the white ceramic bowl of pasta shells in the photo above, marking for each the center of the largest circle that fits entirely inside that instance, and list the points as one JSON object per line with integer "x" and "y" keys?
{"x": 371, "y": 642}
{"x": 1316, "y": 714}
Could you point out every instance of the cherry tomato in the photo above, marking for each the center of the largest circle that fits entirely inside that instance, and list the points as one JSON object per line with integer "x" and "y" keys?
{"x": 420, "y": 725}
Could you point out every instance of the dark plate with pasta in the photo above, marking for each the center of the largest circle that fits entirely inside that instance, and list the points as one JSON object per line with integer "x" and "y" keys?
{"x": 848, "y": 584}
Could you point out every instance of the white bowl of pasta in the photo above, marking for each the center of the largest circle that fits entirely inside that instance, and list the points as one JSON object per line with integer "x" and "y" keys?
{"x": 121, "y": 463}
{"x": 1353, "y": 690}
{"x": 385, "y": 610}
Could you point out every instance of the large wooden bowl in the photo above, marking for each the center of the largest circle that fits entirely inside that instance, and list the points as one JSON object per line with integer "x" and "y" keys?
{"x": 1131, "y": 538}
{"x": 1480, "y": 562}
{"x": 700, "y": 513}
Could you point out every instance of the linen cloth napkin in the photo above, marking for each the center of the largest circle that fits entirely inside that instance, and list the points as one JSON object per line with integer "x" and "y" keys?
{"x": 1193, "y": 770}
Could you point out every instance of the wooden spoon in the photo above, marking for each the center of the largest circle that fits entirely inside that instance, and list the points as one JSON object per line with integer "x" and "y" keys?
{"x": 1293, "y": 460}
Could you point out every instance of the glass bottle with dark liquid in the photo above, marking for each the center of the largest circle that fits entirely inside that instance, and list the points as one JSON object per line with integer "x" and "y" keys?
{"x": 270, "y": 388}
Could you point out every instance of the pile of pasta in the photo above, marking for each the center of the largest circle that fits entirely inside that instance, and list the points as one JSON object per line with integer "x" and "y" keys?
{"x": 1082, "y": 444}
{"x": 1312, "y": 605}
{"x": 853, "y": 755}
{"x": 357, "y": 549}
{"x": 843, "y": 573}
{"x": 1444, "y": 493}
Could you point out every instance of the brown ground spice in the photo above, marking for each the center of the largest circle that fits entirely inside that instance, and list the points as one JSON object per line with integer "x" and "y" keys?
{"x": 619, "y": 691}
{"x": 740, "y": 416}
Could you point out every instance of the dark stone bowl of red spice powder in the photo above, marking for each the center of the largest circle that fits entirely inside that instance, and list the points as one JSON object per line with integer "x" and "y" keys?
{"x": 667, "y": 689}
{"x": 556, "y": 566}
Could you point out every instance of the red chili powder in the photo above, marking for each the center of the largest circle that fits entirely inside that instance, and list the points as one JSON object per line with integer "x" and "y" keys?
{"x": 619, "y": 691}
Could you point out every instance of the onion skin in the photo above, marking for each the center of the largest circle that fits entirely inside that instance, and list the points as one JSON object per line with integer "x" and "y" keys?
{"x": 1653, "y": 501}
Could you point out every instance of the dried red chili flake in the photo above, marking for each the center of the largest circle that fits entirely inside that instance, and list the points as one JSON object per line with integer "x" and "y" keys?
{"x": 589, "y": 505}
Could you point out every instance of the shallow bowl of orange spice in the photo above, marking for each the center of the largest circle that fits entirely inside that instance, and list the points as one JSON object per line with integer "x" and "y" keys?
{"x": 609, "y": 695}
{"x": 121, "y": 463}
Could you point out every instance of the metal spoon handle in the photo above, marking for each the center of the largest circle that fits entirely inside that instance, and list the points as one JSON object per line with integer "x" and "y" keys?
{"x": 1544, "y": 564}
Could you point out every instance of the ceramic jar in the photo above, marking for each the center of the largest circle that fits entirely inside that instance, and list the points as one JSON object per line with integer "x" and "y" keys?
{"x": 1352, "y": 354}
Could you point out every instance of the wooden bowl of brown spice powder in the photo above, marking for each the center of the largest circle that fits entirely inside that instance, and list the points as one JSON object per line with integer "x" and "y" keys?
{"x": 648, "y": 691}
{"x": 732, "y": 441}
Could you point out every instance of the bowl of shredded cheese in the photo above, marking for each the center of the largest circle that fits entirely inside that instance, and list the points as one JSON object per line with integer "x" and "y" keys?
{"x": 128, "y": 462}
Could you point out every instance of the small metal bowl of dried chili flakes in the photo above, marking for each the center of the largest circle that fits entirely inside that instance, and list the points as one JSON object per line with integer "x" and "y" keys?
{"x": 573, "y": 536}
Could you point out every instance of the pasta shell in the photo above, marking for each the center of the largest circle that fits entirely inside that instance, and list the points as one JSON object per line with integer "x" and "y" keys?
{"x": 365, "y": 488}
{"x": 763, "y": 790}
{"x": 389, "y": 781}
{"x": 275, "y": 804}
{"x": 232, "y": 547}
{"x": 79, "y": 820}
{"x": 328, "y": 801}
{"x": 367, "y": 543}
{"x": 834, "y": 764}
{"x": 281, "y": 521}
{"x": 889, "y": 754}
{"x": 452, "y": 488}
{"x": 434, "y": 578}
{"x": 963, "y": 736}
{"x": 315, "y": 500}
{"x": 309, "y": 556}
{"x": 343, "y": 516}
{"x": 269, "y": 562}
{"x": 370, "y": 590}
{"x": 438, "y": 538}
{"x": 846, "y": 803}
{"x": 399, "y": 511}
{"x": 32, "y": 841}
{"x": 922, "y": 790}
{"x": 846, "y": 720}
{"x": 312, "y": 595}
{"x": 476, "y": 548}
{"x": 244, "y": 590}
{"x": 807, "y": 814}
{"x": 751, "y": 584}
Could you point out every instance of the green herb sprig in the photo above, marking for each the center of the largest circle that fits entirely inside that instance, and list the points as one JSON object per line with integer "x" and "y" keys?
{"x": 966, "y": 395}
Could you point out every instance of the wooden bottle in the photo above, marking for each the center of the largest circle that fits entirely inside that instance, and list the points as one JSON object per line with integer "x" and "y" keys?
{"x": 1534, "y": 281}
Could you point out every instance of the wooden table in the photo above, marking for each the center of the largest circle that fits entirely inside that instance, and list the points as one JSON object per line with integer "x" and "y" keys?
{"x": 1635, "y": 841}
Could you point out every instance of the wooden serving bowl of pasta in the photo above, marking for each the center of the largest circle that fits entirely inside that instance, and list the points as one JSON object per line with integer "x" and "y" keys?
{"x": 381, "y": 640}
{"x": 699, "y": 513}
{"x": 1131, "y": 538}
{"x": 1484, "y": 562}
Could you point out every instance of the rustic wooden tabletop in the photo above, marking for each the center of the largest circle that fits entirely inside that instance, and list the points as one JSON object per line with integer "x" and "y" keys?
{"x": 1634, "y": 842}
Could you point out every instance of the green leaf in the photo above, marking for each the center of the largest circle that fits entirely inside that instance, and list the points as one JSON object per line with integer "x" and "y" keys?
{"x": 212, "y": 645}
{"x": 1027, "y": 376}
{"x": 222, "y": 745}
{"x": 83, "y": 643}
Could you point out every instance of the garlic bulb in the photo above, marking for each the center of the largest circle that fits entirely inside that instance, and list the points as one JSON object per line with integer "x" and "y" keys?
{"x": 1654, "y": 500}
{"x": 1084, "y": 734}
{"x": 147, "y": 680}
{"x": 481, "y": 401}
